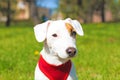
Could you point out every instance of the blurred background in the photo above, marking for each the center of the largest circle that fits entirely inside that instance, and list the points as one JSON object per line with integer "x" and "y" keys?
{"x": 41, "y": 10}
{"x": 98, "y": 55}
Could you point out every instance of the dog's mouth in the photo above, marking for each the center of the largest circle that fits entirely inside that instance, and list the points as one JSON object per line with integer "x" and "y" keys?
{"x": 67, "y": 55}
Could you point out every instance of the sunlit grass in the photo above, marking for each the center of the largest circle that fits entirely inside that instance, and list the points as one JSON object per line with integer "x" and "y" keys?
{"x": 98, "y": 52}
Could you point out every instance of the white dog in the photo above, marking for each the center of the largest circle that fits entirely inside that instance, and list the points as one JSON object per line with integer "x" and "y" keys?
{"x": 59, "y": 39}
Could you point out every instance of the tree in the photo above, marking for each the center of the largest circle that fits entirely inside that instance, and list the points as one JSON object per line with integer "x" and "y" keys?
{"x": 114, "y": 7}
{"x": 79, "y": 9}
{"x": 82, "y": 8}
{"x": 79, "y": 2}
{"x": 69, "y": 8}
{"x": 8, "y": 13}
{"x": 102, "y": 10}
{"x": 6, "y": 9}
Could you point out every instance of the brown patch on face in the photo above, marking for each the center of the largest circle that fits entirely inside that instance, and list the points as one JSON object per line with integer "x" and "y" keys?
{"x": 71, "y": 30}
{"x": 69, "y": 27}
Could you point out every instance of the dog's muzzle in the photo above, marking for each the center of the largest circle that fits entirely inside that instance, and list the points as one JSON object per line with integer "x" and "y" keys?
{"x": 71, "y": 51}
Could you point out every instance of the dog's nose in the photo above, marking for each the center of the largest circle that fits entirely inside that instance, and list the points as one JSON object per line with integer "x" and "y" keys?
{"x": 71, "y": 51}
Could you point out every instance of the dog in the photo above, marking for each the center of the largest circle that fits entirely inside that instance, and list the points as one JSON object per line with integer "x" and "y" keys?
{"x": 59, "y": 39}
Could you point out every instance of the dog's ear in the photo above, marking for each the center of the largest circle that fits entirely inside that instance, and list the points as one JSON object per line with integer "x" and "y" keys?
{"x": 76, "y": 25}
{"x": 40, "y": 31}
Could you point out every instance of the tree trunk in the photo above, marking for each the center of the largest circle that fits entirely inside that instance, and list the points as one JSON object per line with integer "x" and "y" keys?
{"x": 103, "y": 10}
{"x": 8, "y": 13}
{"x": 79, "y": 2}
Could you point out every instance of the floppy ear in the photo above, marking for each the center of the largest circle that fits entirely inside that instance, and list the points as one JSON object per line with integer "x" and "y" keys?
{"x": 76, "y": 25}
{"x": 40, "y": 31}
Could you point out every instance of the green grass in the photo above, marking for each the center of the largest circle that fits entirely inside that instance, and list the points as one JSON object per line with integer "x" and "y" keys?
{"x": 98, "y": 52}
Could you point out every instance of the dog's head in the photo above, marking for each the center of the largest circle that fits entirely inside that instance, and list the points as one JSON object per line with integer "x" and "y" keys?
{"x": 59, "y": 36}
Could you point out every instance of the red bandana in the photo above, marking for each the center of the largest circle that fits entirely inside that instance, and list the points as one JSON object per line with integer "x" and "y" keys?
{"x": 54, "y": 72}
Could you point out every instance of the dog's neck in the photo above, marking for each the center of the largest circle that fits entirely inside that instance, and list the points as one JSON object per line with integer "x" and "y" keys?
{"x": 52, "y": 59}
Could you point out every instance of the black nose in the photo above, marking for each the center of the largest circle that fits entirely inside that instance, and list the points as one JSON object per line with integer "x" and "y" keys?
{"x": 71, "y": 51}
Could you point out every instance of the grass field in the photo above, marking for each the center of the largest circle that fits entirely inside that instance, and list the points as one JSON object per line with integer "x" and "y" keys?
{"x": 98, "y": 57}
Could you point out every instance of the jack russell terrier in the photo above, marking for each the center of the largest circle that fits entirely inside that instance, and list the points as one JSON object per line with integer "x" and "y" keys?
{"x": 59, "y": 39}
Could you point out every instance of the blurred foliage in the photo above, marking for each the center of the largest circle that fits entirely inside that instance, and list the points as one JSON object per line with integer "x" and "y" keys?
{"x": 85, "y": 8}
{"x": 4, "y": 4}
{"x": 79, "y": 9}
{"x": 114, "y": 6}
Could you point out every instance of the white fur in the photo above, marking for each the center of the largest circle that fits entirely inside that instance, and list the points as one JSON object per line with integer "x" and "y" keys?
{"x": 54, "y": 50}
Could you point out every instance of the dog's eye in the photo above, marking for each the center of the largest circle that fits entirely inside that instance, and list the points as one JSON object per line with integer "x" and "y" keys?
{"x": 54, "y": 35}
{"x": 73, "y": 33}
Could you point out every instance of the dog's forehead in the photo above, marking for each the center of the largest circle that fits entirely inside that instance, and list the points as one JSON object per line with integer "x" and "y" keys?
{"x": 57, "y": 24}
{"x": 60, "y": 25}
